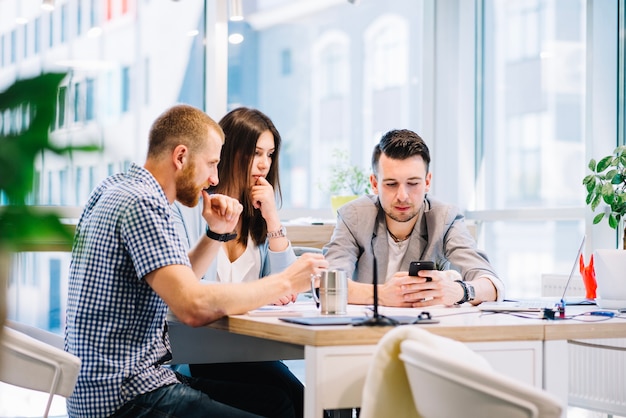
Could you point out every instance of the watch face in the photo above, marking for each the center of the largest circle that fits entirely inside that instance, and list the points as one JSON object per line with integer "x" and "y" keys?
{"x": 470, "y": 292}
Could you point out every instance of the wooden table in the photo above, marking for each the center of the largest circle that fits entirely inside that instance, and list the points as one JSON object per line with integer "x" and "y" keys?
{"x": 337, "y": 357}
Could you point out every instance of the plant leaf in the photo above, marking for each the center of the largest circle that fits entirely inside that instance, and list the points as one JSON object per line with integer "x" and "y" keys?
{"x": 596, "y": 201}
{"x": 609, "y": 174}
{"x": 36, "y": 98}
{"x": 604, "y": 163}
{"x": 592, "y": 165}
{"x": 612, "y": 221}
{"x": 607, "y": 190}
{"x": 23, "y": 227}
{"x": 598, "y": 218}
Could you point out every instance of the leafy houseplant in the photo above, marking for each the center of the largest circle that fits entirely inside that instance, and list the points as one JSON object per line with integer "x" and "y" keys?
{"x": 607, "y": 184}
{"x": 21, "y": 225}
{"x": 347, "y": 181}
{"x": 346, "y": 178}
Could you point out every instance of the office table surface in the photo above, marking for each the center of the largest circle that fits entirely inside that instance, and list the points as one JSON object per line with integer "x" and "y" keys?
{"x": 465, "y": 324}
{"x": 337, "y": 357}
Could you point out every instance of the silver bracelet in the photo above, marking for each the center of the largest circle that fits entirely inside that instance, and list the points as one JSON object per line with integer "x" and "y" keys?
{"x": 282, "y": 232}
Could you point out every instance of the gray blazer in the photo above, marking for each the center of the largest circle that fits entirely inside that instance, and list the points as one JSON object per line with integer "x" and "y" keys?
{"x": 440, "y": 235}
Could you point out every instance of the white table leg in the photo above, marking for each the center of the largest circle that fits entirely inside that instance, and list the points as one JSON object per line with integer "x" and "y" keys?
{"x": 335, "y": 377}
{"x": 556, "y": 370}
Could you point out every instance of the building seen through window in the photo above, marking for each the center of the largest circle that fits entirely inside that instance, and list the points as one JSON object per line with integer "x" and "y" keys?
{"x": 499, "y": 90}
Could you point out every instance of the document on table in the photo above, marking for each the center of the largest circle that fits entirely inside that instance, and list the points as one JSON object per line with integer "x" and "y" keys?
{"x": 301, "y": 308}
{"x": 292, "y": 309}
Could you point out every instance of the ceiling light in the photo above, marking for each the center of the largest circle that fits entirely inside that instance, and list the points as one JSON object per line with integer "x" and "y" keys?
{"x": 47, "y": 5}
{"x": 235, "y": 10}
{"x": 94, "y": 32}
{"x": 235, "y": 38}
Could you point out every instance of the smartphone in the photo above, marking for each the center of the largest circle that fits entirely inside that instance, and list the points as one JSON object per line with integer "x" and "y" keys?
{"x": 416, "y": 266}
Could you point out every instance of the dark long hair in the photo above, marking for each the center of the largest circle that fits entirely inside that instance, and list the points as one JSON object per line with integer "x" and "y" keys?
{"x": 242, "y": 127}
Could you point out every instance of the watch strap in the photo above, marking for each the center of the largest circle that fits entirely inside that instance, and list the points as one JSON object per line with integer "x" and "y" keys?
{"x": 471, "y": 293}
{"x": 468, "y": 292}
{"x": 220, "y": 237}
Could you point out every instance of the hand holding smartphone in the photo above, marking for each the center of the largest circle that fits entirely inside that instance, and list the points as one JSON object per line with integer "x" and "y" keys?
{"x": 416, "y": 266}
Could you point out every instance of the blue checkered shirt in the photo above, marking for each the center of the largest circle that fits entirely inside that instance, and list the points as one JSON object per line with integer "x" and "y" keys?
{"x": 115, "y": 321}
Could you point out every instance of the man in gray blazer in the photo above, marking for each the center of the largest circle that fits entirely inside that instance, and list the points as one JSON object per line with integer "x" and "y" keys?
{"x": 400, "y": 224}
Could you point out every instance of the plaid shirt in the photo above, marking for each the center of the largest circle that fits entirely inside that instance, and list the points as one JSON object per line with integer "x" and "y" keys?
{"x": 115, "y": 321}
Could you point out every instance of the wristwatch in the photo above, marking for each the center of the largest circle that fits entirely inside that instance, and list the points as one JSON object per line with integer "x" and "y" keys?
{"x": 469, "y": 294}
{"x": 282, "y": 232}
{"x": 220, "y": 237}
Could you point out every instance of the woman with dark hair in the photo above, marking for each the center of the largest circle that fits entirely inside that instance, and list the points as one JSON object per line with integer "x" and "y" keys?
{"x": 248, "y": 171}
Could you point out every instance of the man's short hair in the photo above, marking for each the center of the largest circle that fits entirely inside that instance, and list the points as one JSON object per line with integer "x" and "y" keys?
{"x": 400, "y": 144}
{"x": 181, "y": 125}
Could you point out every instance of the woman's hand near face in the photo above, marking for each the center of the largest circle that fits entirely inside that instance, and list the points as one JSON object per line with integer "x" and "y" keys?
{"x": 263, "y": 198}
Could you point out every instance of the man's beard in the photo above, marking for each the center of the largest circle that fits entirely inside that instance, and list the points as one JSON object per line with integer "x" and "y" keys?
{"x": 403, "y": 218}
{"x": 187, "y": 192}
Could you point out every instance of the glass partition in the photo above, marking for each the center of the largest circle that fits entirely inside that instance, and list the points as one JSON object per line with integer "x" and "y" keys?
{"x": 126, "y": 62}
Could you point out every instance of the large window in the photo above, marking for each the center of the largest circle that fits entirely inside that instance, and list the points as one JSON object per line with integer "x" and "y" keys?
{"x": 355, "y": 72}
{"x": 106, "y": 48}
{"x": 534, "y": 120}
{"x": 512, "y": 96}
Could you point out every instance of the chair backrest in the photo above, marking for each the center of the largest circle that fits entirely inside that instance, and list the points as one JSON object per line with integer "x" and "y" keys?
{"x": 442, "y": 385}
{"x": 37, "y": 362}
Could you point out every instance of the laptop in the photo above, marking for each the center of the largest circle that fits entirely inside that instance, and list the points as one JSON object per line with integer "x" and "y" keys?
{"x": 610, "y": 268}
{"x": 538, "y": 304}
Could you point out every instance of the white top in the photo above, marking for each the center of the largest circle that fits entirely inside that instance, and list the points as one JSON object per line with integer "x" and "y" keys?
{"x": 246, "y": 268}
{"x": 396, "y": 254}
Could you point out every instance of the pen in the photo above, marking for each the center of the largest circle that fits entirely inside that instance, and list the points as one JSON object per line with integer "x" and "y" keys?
{"x": 601, "y": 313}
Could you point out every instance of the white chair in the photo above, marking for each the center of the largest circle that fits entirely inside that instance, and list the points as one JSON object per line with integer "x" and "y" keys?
{"x": 444, "y": 385}
{"x": 34, "y": 359}
{"x": 415, "y": 373}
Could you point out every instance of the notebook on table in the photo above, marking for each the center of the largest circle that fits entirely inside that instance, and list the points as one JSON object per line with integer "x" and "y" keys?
{"x": 352, "y": 320}
{"x": 538, "y": 304}
{"x": 322, "y": 320}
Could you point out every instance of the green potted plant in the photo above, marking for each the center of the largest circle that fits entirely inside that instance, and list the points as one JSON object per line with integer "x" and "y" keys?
{"x": 347, "y": 181}
{"x": 607, "y": 184}
{"x": 21, "y": 225}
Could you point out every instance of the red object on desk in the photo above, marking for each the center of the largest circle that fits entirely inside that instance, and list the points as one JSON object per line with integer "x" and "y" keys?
{"x": 589, "y": 277}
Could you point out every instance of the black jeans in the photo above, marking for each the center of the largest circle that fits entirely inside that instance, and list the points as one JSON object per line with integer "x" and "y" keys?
{"x": 198, "y": 397}
{"x": 271, "y": 374}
